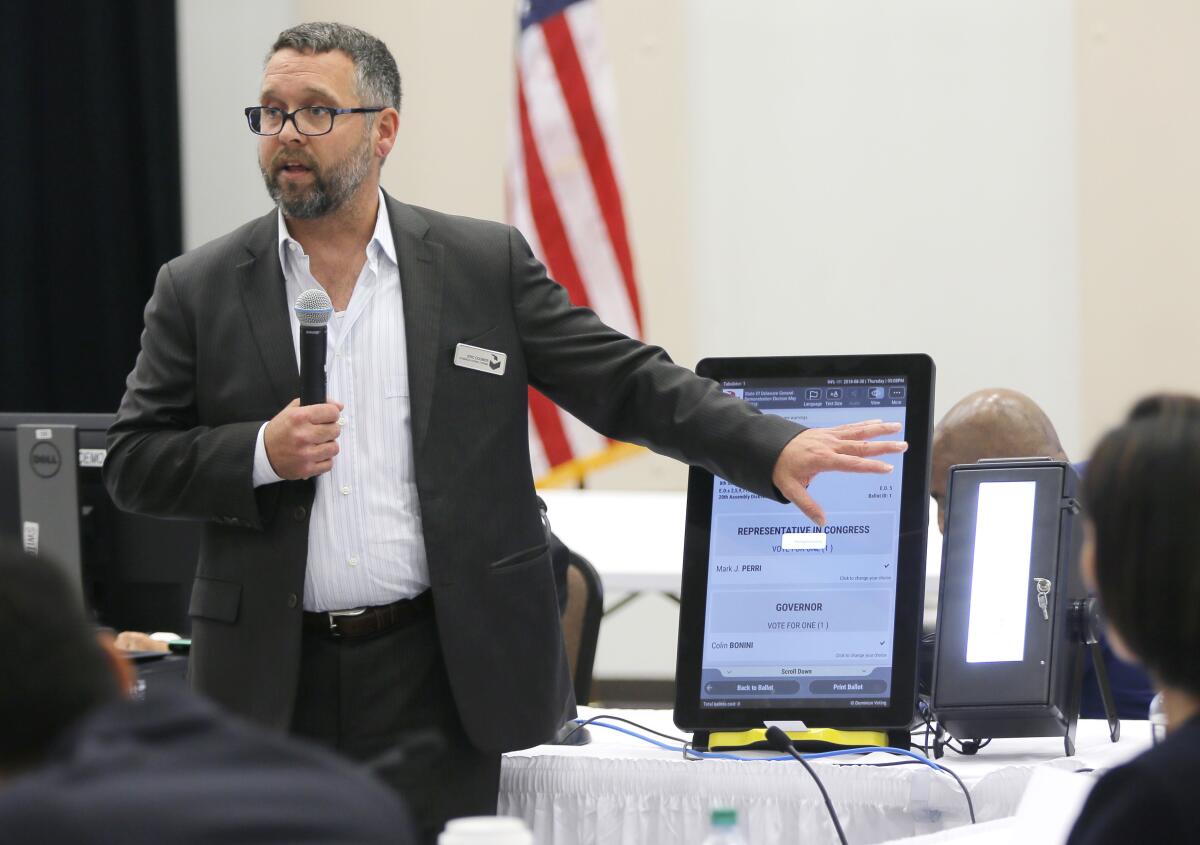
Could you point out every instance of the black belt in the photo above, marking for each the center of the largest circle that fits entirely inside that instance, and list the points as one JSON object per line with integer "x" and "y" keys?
{"x": 368, "y": 621}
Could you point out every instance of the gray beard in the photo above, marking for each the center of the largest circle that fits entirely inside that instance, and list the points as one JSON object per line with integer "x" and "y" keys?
{"x": 324, "y": 195}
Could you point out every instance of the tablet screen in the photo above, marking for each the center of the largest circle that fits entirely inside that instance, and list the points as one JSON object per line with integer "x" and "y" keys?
{"x": 798, "y": 616}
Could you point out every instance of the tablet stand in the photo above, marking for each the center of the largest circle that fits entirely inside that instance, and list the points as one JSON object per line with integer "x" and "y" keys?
{"x": 806, "y": 741}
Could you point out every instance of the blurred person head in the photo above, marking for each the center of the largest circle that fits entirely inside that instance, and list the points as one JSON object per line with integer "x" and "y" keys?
{"x": 991, "y": 423}
{"x": 1142, "y": 551}
{"x": 327, "y": 66}
{"x": 1165, "y": 404}
{"x": 55, "y": 667}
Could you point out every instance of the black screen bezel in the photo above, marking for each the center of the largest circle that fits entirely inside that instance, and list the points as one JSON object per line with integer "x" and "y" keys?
{"x": 914, "y": 524}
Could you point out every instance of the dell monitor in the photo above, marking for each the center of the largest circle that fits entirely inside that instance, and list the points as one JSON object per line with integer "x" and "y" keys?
{"x": 133, "y": 572}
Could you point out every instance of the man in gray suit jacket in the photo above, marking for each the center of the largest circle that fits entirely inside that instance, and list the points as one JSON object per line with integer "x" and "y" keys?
{"x": 377, "y": 565}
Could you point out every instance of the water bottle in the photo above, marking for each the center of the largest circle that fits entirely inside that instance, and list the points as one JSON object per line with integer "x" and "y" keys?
{"x": 723, "y": 829}
{"x": 1158, "y": 720}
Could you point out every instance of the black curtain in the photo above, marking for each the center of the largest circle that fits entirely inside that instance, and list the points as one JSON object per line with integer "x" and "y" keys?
{"x": 89, "y": 146}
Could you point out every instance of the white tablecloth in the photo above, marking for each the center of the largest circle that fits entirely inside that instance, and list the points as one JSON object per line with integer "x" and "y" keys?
{"x": 997, "y": 832}
{"x": 621, "y": 791}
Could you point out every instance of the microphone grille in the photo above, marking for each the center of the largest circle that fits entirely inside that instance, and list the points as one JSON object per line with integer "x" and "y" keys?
{"x": 313, "y": 307}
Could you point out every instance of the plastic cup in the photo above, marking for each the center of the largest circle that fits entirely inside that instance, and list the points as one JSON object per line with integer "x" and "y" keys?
{"x": 486, "y": 830}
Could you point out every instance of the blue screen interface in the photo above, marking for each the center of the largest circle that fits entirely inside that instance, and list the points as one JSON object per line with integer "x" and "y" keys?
{"x": 797, "y": 615}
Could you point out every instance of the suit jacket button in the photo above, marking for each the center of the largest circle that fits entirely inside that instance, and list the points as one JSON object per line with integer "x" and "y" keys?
{"x": 300, "y": 512}
{"x": 292, "y": 600}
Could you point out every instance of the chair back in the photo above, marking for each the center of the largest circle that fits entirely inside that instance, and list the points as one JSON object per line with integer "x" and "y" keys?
{"x": 581, "y": 622}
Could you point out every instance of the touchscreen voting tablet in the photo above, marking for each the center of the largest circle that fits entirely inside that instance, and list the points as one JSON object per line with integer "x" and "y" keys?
{"x": 781, "y": 621}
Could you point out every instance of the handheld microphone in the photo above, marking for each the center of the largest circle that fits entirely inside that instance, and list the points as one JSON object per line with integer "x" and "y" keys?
{"x": 313, "y": 310}
{"x": 780, "y": 741}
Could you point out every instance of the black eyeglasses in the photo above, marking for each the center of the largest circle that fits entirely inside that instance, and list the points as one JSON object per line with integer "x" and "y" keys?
{"x": 310, "y": 120}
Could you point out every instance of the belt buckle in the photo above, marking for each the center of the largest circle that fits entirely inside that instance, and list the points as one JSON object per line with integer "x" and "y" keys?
{"x": 334, "y": 614}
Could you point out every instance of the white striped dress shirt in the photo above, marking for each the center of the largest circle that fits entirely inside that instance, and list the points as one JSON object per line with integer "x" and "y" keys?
{"x": 365, "y": 542}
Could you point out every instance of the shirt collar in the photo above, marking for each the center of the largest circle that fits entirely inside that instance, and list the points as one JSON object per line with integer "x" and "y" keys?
{"x": 382, "y": 235}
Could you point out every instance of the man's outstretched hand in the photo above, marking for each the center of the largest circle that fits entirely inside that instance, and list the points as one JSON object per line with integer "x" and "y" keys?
{"x": 841, "y": 449}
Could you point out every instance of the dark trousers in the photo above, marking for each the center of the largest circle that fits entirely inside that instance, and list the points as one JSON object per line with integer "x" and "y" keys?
{"x": 385, "y": 700}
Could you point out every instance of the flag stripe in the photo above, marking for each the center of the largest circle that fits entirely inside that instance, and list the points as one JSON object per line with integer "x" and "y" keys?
{"x": 516, "y": 185}
{"x": 563, "y": 194}
{"x": 591, "y": 141}
{"x": 546, "y": 220}
{"x": 571, "y": 185}
{"x": 586, "y": 30}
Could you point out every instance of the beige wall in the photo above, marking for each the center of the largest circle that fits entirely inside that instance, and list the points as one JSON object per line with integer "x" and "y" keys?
{"x": 220, "y": 68}
{"x": 456, "y": 76}
{"x": 792, "y": 156}
{"x": 891, "y": 177}
{"x": 456, "y": 63}
{"x": 1138, "y": 66}
{"x": 692, "y": 74}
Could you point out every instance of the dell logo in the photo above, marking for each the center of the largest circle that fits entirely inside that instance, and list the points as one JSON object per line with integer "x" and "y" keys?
{"x": 45, "y": 459}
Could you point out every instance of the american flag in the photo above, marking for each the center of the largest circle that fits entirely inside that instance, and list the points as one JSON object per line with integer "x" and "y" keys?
{"x": 564, "y": 195}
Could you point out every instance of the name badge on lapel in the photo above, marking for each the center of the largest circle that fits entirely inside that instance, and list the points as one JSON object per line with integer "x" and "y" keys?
{"x": 478, "y": 358}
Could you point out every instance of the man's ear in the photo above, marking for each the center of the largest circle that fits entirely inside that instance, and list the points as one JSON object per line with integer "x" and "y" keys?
{"x": 387, "y": 126}
{"x": 120, "y": 665}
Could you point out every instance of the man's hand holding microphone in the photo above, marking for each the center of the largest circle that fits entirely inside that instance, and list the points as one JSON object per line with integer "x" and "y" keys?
{"x": 301, "y": 440}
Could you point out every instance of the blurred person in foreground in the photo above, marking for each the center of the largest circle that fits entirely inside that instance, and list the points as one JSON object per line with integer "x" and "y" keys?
{"x": 82, "y": 762}
{"x": 1001, "y": 423}
{"x": 1142, "y": 556}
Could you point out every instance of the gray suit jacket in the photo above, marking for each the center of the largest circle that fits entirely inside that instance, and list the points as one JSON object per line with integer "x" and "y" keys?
{"x": 217, "y": 360}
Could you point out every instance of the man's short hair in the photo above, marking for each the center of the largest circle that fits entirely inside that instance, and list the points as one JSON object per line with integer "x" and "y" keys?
{"x": 1165, "y": 404}
{"x": 1142, "y": 491}
{"x": 52, "y": 670}
{"x": 378, "y": 79}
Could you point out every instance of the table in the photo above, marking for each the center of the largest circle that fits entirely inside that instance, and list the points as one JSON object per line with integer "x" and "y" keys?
{"x": 999, "y": 832}
{"x": 621, "y": 791}
{"x": 634, "y": 539}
